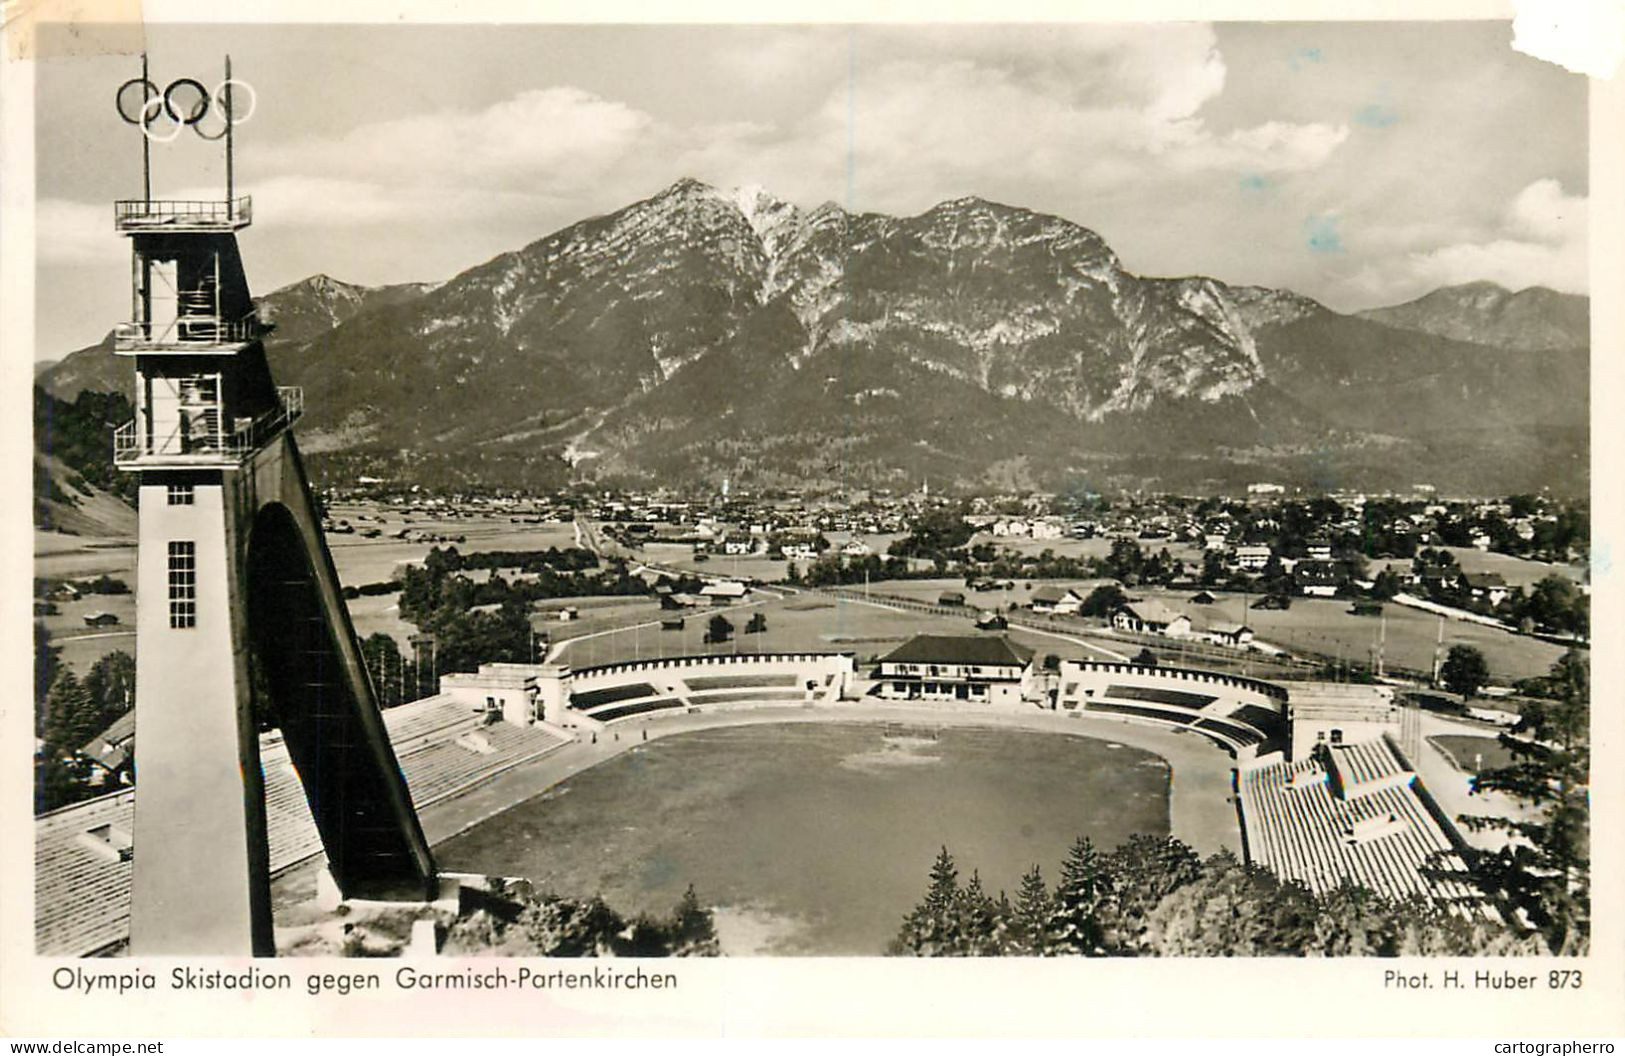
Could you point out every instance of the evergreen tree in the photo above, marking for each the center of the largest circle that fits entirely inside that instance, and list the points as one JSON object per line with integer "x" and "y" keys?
{"x": 1230, "y": 911}
{"x": 559, "y": 927}
{"x": 1354, "y": 922}
{"x": 1546, "y": 875}
{"x": 718, "y": 629}
{"x": 71, "y": 717}
{"x": 111, "y": 685}
{"x": 386, "y": 666}
{"x": 930, "y": 929}
{"x": 1076, "y": 923}
{"x": 693, "y": 929}
{"x": 1030, "y": 919}
{"x": 1145, "y": 870}
{"x": 47, "y": 665}
{"x": 978, "y": 928}
{"x": 60, "y": 782}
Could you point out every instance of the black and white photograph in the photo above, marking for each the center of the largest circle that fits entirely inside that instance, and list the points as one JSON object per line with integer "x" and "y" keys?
{"x": 518, "y": 498}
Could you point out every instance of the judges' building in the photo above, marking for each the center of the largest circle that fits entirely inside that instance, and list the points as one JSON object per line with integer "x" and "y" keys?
{"x": 980, "y": 669}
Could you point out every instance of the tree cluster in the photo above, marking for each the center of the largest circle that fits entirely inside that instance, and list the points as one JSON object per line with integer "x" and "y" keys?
{"x": 79, "y": 435}
{"x": 68, "y": 713}
{"x": 440, "y": 600}
{"x": 1545, "y": 871}
{"x": 520, "y": 923}
{"x": 934, "y": 535}
{"x": 1155, "y": 897}
{"x": 832, "y": 570}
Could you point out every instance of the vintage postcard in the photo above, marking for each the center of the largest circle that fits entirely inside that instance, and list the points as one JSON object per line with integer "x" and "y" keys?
{"x": 603, "y": 522}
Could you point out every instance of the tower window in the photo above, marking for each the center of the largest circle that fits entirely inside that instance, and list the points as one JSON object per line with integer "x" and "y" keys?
{"x": 183, "y": 584}
{"x": 180, "y": 494}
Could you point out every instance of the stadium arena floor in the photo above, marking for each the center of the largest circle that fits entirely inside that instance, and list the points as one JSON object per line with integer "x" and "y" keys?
{"x": 816, "y": 838}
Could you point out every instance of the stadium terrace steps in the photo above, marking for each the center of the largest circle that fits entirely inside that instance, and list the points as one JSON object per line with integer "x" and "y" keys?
{"x": 1157, "y": 695}
{"x": 1383, "y": 838}
{"x": 447, "y": 768}
{"x": 637, "y": 707}
{"x": 1231, "y": 734}
{"x": 699, "y": 683}
{"x": 587, "y": 700}
{"x": 763, "y": 695}
{"x": 623, "y": 701}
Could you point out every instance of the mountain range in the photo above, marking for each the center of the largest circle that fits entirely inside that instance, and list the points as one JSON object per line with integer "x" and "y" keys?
{"x": 704, "y": 334}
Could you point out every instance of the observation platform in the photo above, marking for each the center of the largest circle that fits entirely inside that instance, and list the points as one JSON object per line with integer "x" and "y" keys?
{"x": 136, "y": 216}
{"x": 222, "y": 449}
{"x": 188, "y": 336}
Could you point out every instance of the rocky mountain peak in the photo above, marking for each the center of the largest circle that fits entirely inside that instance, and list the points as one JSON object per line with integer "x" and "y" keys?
{"x": 703, "y": 332}
{"x": 1487, "y": 313}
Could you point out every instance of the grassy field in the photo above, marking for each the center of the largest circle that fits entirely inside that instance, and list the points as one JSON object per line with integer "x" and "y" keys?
{"x": 361, "y": 560}
{"x": 72, "y": 557}
{"x": 357, "y": 561}
{"x": 1100, "y": 546}
{"x": 1325, "y": 626}
{"x": 1471, "y": 754}
{"x": 1517, "y": 571}
{"x": 798, "y": 623}
{"x": 928, "y": 590}
{"x": 817, "y": 839}
{"x": 82, "y": 646}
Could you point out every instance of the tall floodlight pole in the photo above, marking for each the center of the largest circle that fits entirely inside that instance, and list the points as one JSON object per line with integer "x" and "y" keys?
{"x": 230, "y": 175}
{"x": 146, "y": 141}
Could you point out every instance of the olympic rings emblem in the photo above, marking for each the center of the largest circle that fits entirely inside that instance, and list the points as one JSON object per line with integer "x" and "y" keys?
{"x": 185, "y": 103}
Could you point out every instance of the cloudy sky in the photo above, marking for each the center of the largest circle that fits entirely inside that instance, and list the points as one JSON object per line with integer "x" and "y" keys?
{"x": 1360, "y": 164}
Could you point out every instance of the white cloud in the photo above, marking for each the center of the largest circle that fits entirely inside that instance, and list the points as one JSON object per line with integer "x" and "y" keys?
{"x": 924, "y": 115}
{"x": 1543, "y": 213}
{"x": 561, "y": 137}
{"x": 1541, "y": 241}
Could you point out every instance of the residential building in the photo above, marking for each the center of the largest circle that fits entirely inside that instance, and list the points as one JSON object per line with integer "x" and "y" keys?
{"x": 1484, "y": 586}
{"x": 1252, "y": 556}
{"x": 1232, "y": 634}
{"x": 724, "y": 592}
{"x": 1151, "y": 617}
{"x": 1316, "y": 579}
{"x": 1054, "y": 599}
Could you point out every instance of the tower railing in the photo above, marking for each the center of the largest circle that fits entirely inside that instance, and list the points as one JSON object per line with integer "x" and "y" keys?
{"x": 132, "y": 449}
{"x": 186, "y": 330}
{"x": 132, "y": 214}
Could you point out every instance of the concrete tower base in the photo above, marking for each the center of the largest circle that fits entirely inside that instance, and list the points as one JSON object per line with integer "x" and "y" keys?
{"x": 243, "y": 628}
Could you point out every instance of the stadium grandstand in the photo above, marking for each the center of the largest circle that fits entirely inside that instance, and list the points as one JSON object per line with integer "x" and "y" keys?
{"x": 1354, "y": 813}
{"x": 83, "y": 852}
{"x": 610, "y": 692}
{"x": 1347, "y": 807}
{"x": 1242, "y": 715}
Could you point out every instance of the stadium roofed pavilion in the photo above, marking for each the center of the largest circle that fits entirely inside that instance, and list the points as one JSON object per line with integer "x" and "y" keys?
{"x": 977, "y": 668}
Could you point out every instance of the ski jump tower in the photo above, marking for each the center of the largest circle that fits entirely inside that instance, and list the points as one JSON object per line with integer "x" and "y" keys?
{"x": 240, "y": 620}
